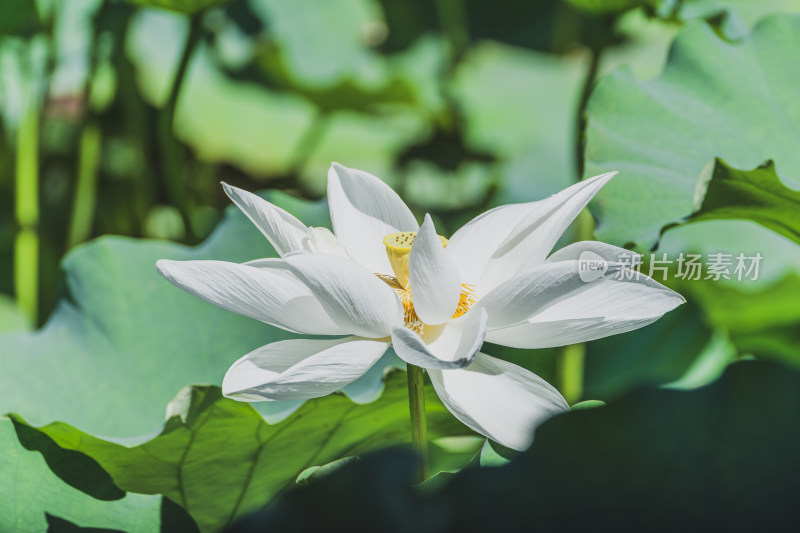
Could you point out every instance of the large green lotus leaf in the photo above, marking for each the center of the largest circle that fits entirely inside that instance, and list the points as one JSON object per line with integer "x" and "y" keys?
{"x": 344, "y": 95}
{"x": 218, "y": 458}
{"x": 756, "y": 195}
{"x": 762, "y": 321}
{"x": 122, "y": 340}
{"x": 781, "y": 257}
{"x": 740, "y": 309}
{"x": 745, "y": 12}
{"x": 719, "y": 458}
{"x": 325, "y": 43}
{"x": 654, "y": 355}
{"x": 646, "y": 48}
{"x": 715, "y": 99}
{"x": 181, "y": 6}
{"x": 30, "y": 491}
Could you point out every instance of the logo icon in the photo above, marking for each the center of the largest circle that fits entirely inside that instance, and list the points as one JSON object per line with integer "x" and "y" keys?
{"x": 591, "y": 266}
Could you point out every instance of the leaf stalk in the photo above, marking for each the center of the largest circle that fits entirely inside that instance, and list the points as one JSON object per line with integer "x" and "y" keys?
{"x": 419, "y": 422}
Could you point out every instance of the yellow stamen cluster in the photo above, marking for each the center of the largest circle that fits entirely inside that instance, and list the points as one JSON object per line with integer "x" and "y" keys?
{"x": 466, "y": 300}
{"x": 398, "y": 248}
{"x": 410, "y": 318}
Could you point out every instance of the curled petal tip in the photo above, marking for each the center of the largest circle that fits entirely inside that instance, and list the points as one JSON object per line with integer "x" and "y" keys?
{"x": 604, "y": 175}
{"x": 162, "y": 266}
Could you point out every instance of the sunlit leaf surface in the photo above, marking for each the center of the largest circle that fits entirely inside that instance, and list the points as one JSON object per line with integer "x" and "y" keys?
{"x": 756, "y": 195}
{"x": 715, "y": 99}
{"x": 32, "y": 495}
{"x": 218, "y": 458}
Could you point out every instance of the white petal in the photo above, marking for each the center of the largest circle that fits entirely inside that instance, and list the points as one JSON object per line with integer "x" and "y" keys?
{"x": 283, "y": 230}
{"x": 434, "y": 280}
{"x": 538, "y": 333}
{"x": 271, "y": 292}
{"x": 519, "y": 298}
{"x": 612, "y": 254}
{"x": 322, "y": 241}
{"x": 356, "y": 300}
{"x": 498, "y": 399}
{"x": 529, "y": 243}
{"x": 593, "y": 310}
{"x": 300, "y": 368}
{"x": 363, "y": 211}
{"x": 451, "y": 345}
{"x": 474, "y": 243}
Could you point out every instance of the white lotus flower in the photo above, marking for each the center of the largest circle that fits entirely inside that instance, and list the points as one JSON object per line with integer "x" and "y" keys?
{"x": 383, "y": 279}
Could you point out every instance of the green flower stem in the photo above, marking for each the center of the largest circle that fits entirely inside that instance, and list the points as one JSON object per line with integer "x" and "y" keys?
{"x": 26, "y": 247}
{"x": 171, "y": 155}
{"x": 83, "y": 204}
{"x": 586, "y": 92}
{"x": 452, "y": 21}
{"x": 419, "y": 422}
{"x": 573, "y": 358}
{"x": 571, "y": 369}
{"x": 308, "y": 142}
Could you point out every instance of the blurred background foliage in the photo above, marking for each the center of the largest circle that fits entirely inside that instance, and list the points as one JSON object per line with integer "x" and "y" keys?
{"x": 121, "y": 118}
{"x": 135, "y": 114}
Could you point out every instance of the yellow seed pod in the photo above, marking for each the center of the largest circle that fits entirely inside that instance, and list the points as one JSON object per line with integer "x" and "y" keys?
{"x": 398, "y": 248}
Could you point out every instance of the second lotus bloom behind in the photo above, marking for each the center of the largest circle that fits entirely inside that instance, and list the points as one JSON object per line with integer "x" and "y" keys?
{"x": 381, "y": 279}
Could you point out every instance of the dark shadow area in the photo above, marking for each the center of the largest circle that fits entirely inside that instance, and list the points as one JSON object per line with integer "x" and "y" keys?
{"x": 720, "y": 458}
{"x": 74, "y": 468}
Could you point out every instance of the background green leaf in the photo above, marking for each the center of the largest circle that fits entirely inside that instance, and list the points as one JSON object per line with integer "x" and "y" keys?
{"x": 122, "y": 340}
{"x": 715, "y": 99}
{"x": 29, "y": 489}
{"x": 761, "y": 321}
{"x": 719, "y": 457}
{"x": 218, "y": 459}
{"x": 756, "y": 195}
{"x": 182, "y": 6}
{"x": 11, "y": 316}
{"x": 19, "y": 17}
{"x": 654, "y": 355}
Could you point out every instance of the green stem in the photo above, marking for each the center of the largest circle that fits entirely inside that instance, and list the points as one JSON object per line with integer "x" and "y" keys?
{"x": 586, "y": 92}
{"x": 170, "y": 149}
{"x": 419, "y": 422}
{"x": 308, "y": 142}
{"x": 452, "y": 21}
{"x": 83, "y": 204}
{"x": 573, "y": 358}
{"x": 571, "y": 364}
{"x": 26, "y": 247}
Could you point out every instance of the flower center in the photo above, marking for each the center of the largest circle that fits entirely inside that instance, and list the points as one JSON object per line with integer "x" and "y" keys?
{"x": 398, "y": 248}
